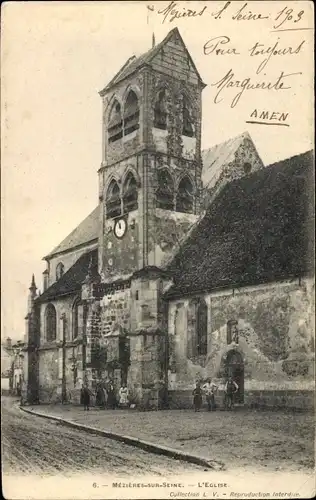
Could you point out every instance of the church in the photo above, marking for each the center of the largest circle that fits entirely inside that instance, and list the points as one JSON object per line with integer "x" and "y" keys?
{"x": 194, "y": 264}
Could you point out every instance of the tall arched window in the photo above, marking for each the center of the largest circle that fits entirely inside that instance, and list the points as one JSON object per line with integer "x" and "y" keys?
{"x": 187, "y": 125}
{"x": 131, "y": 113}
{"x": 115, "y": 123}
{"x": 60, "y": 269}
{"x": 75, "y": 319}
{"x": 201, "y": 327}
{"x": 184, "y": 200}
{"x": 160, "y": 111}
{"x": 50, "y": 323}
{"x": 165, "y": 190}
{"x": 130, "y": 194}
{"x": 113, "y": 200}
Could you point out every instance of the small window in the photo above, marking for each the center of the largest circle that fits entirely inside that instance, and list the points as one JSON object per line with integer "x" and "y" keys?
{"x": 50, "y": 323}
{"x": 60, "y": 269}
{"x": 115, "y": 124}
{"x": 160, "y": 111}
{"x": 165, "y": 191}
{"x": 131, "y": 113}
{"x": 184, "y": 200}
{"x": 130, "y": 194}
{"x": 187, "y": 125}
{"x": 75, "y": 319}
{"x": 113, "y": 200}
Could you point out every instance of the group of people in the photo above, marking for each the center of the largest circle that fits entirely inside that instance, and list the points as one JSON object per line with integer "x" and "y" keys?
{"x": 210, "y": 389}
{"x": 105, "y": 396}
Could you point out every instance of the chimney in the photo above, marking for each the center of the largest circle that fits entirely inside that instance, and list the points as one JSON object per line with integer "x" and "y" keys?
{"x": 9, "y": 343}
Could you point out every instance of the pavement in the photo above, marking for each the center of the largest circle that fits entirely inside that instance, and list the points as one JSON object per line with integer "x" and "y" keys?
{"x": 33, "y": 446}
{"x": 267, "y": 441}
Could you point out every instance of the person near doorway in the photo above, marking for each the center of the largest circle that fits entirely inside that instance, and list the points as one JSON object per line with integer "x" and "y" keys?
{"x": 210, "y": 388}
{"x": 197, "y": 397}
{"x": 111, "y": 396}
{"x": 230, "y": 389}
{"x": 85, "y": 397}
{"x": 105, "y": 396}
{"x": 123, "y": 395}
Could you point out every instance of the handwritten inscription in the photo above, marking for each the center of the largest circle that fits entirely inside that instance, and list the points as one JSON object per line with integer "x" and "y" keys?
{"x": 229, "y": 81}
{"x": 259, "y": 49}
{"x": 281, "y": 20}
{"x": 173, "y": 11}
{"x": 269, "y": 115}
{"x": 221, "y": 45}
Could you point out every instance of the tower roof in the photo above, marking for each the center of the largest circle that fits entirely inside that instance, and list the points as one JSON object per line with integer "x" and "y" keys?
{"x": 134, "y": 63}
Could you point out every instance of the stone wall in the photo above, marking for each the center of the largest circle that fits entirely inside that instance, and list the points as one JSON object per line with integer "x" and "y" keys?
{"x": 120, "y": 256}
{"x": 115, "y": 311}
{"x": 49, "y": 376}
{"x": 275, "y": 325}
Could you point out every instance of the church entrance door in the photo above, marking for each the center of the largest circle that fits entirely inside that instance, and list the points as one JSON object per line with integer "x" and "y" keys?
{"x": 235, "y": 369}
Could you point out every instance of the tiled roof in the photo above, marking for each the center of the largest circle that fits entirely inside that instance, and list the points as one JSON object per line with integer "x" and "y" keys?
{"x": 87, "y": 231}
{"x": 134, "y": 63}
{"x": 219, "y": 155}
{"x": 72, "y": 280}
{"x": 259, "y": 229}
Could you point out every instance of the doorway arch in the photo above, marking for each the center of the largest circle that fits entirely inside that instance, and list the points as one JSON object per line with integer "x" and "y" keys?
{"x": 234, "y": 367}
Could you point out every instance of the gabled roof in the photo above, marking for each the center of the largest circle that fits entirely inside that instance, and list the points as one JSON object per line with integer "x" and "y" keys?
{"x": 259, "y": 229}
{"x": 221, "y": 154}
{"x": 86, "y": 232}
{"x": 72, "y": 280}
{"x": 134, "y": 63}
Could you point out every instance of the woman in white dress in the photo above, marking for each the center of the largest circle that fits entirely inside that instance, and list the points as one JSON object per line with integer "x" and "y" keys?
{"x": 123, "y": 395}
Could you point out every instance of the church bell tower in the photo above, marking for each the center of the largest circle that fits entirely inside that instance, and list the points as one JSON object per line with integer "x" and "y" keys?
{"x": 150, "y": 176}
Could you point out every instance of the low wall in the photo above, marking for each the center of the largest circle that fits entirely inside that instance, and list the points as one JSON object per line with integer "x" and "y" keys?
{"x": 276, "y": 399}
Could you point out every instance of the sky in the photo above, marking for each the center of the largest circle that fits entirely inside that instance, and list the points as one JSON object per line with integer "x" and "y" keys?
{"x": 57, "y": 56}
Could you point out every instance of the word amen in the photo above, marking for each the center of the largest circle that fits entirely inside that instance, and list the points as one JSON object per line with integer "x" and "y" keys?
{"x": 266, "y": 115}
{"x": 246, "y": 84}
{"x": 173, "y": 13}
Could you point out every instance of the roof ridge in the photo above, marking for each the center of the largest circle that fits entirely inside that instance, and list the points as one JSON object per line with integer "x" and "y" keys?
{"x": 309, "y": 151}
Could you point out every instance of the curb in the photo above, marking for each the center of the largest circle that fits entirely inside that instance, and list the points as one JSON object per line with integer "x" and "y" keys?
{"x": 131, "y": 441}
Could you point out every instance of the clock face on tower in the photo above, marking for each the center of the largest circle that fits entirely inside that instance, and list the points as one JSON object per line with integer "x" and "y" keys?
{"x": 120, "y": 228}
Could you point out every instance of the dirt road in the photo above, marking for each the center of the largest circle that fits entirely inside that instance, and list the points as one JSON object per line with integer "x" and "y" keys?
{"x": 32, "y": 445}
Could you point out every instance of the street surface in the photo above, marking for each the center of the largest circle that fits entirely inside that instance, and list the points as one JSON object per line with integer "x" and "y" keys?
{"x": 33, "y": 445}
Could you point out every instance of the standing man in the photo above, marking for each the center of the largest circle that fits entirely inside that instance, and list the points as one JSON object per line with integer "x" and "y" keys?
{"x": 230, "y": 389}
{"x": 210, "y": 390}
{"x": 85, "y": 397}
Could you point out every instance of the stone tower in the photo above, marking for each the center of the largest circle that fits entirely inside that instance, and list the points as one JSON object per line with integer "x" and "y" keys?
{"x": 150, "y": 177}
{"x": 149, "y": 190}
